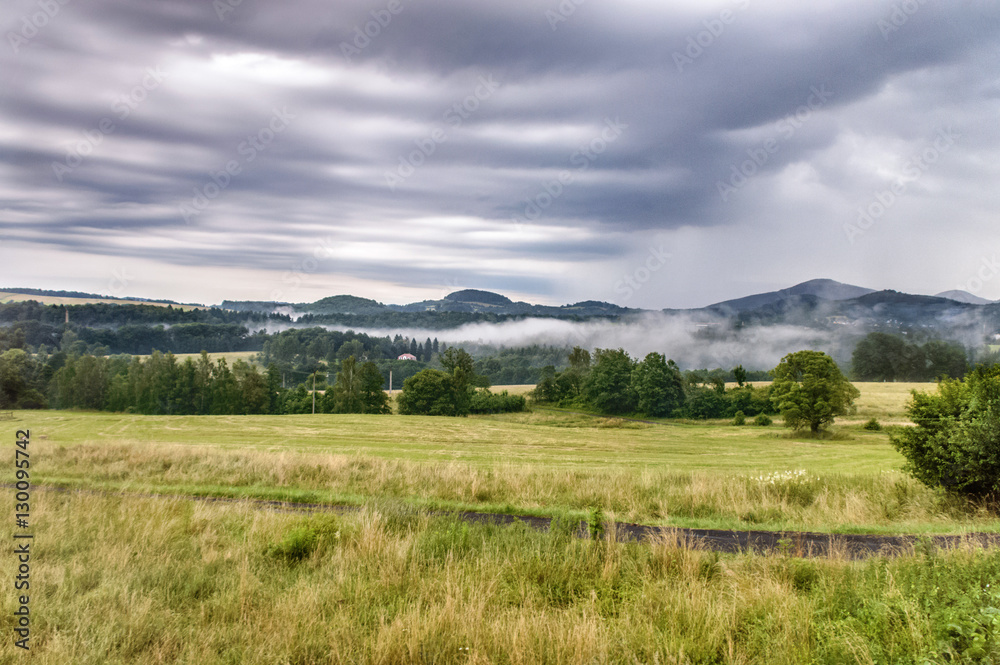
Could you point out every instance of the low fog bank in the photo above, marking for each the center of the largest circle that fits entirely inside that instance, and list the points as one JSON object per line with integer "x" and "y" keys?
{"x": 692, "y": 343}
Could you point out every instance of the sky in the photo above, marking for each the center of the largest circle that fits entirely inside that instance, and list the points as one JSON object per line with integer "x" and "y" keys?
{"x": 650, "y": 154}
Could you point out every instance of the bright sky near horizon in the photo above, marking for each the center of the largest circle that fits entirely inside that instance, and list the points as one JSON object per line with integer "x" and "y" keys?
{"x": 645, "y": 153}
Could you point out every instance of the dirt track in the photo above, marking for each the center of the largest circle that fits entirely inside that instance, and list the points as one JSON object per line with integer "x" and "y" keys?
{"x": 791, "y": 543}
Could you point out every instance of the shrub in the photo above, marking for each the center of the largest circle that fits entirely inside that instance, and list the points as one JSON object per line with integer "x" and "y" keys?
{"x": 301, "y": 541}
{"x": 956, "y": 441}
{"x": 428, "y": 393}
{"x": 873, "y": 425}
{"x": 762, "y": 420}
{"x": 703, "y": 403}
{"x": 739, "y": 419}
{"x": 595, "y": 523}
{"x": 484, "y": 401}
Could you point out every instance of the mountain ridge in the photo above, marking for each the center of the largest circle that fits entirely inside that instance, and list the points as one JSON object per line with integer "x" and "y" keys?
{"x": 821, "y": 302}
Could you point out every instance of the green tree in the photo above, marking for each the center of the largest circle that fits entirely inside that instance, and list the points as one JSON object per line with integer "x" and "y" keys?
{"x": 185, "y": 389}
{"x": 609, "y": 385}
{"x": 347, "y": 388}
{"x": 570, "y": 382}
{"x": 740, "y": 375}
{"x": 458, "y": 364}
{"x": 352, "y": 348}
{"x": 878, "y": 357}
{"x": 226, "y": 396}
{"x": 658, "y": 385}
{"x": 579, "y": 359}
{"x": 883, "y": 357}
{"x": 703, "y": 403}
{"x": 203, "y": 384}
{"x": 809, "y": 390}
{"x": 253, "y": 388}
{"x": 91, "y": 382}
{"x": 428, "y": 393}
{"x": 547, "y": 390}
{"x": 373, "y": 396}
{"x": 956, "y": 441}
{"x": 945, "y": 360}
{"x": 273, "y": 388}
{"x": 19, "y": 381}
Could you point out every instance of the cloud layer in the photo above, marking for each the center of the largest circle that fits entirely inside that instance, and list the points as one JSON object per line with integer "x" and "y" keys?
{"x": 547, "y": 150}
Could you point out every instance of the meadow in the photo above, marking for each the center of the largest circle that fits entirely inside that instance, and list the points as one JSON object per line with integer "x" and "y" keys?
{"x": 547, "y": 462}
{"x": 128, "y": 578}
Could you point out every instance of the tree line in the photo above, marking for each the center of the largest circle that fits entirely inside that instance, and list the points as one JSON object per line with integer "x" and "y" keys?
{"x": 614, "y": 383}
{"x": 162, "y": 385}
{"x": 808, "y": 389}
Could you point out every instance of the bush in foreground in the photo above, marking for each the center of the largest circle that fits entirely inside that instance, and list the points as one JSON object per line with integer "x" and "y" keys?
{"x": 956, "y": 441}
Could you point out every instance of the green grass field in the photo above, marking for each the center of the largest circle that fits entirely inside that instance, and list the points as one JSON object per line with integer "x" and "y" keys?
{"x": 546, "y": 463}
{"x": 128, "y": 579}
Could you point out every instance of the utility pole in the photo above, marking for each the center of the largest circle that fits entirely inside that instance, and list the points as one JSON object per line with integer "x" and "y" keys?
{"x": 314, "y": 393}
{"x": 390, "y": 383}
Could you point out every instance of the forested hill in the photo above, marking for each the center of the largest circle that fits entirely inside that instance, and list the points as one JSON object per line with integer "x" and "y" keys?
{"x": 493, "y": 307}
{"x": 136, "y": 329}
{"x": 817, "y": 305}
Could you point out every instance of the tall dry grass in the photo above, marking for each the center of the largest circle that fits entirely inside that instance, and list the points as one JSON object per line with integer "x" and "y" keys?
{"x": 779, "y": 500}
{"x": 138, "y": 580}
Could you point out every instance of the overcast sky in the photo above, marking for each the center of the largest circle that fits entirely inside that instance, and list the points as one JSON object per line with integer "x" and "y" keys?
{"x": 652, "y": 154}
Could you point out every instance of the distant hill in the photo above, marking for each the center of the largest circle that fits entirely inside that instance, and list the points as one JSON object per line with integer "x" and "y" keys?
{"x": 964, "y": 296}
{"x": 479, "y": 298}
{"x": 347, "y": 305}
{"x": 48, "y": 297}
{"x": 820, "y": 304}
{"x": 462, "y": 307}
{"x": 825, "y": 289}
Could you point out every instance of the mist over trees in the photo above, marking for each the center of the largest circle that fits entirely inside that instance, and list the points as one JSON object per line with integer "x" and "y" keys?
{"x": 89, "y": 363}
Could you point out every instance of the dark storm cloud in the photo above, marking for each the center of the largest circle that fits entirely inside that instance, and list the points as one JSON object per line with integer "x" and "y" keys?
{"x": 491, "y": 116}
